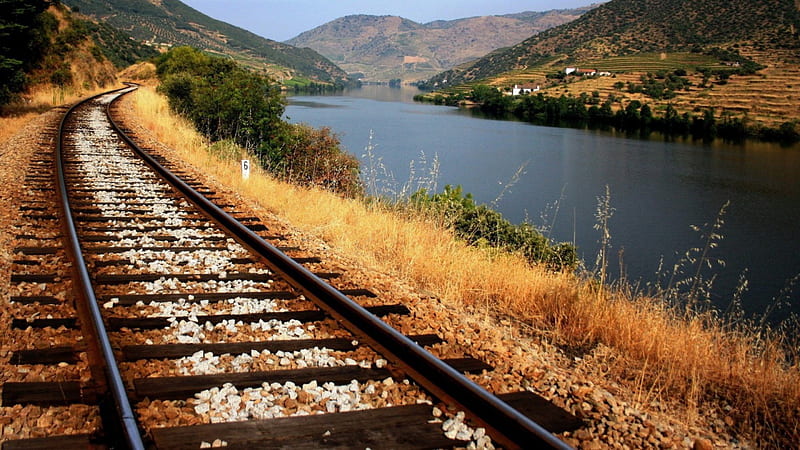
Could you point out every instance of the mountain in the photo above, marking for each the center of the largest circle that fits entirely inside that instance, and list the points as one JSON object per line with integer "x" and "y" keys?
{"x": 386, "y": 47}
{"x": 625, "y": 27}
{"x": 167, "y": 23}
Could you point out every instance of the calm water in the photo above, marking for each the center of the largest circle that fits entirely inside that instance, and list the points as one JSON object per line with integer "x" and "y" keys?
{"x": 659, "y": 189}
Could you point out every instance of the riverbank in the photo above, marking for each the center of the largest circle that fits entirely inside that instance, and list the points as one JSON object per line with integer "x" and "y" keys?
{"x": 635, "y": 118}
{"x": 639, "y": 372}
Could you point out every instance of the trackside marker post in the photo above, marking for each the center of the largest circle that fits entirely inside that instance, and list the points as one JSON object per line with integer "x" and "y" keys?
{"x": 245, "y": 169}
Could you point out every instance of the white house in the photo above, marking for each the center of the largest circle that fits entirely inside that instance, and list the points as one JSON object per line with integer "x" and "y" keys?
{"x": 579, "y": 71}
{"x": 524, "y": 89}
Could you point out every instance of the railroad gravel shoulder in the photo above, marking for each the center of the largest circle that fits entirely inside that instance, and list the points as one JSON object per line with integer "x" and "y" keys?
{"x": 15, "y": 154}
{"x": 18, "y": 421}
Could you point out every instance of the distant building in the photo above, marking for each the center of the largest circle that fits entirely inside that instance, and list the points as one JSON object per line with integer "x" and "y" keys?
{"x": 524, "y": 89}
{"x": 579, "y": 71}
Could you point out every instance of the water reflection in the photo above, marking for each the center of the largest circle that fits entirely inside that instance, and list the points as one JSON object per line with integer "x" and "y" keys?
{"x": 659, "y": 186}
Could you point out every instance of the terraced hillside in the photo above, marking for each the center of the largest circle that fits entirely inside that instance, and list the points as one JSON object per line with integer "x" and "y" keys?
{"x": 170, "y": 23}
{"x": 630, "y": 27}
{"x": 745, "y": 71}
{"x": 767, "y": 96}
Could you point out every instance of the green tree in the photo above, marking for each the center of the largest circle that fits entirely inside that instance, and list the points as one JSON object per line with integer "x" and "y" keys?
{"x": 223, "y": 100}
{"x": 491, "y": 100}
{"x": 23, "y": 41}
{"x": 646, "y": 115}
{"x": 228, "y": 102}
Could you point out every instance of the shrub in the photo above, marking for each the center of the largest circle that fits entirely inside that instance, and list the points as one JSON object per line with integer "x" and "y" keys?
{"x": 223, "y": 100}
{"x": 313, "y": 157}
{"x": 481, "y": 226}
{"x": 228, "y": 102}
{"x": 62, "y": 76}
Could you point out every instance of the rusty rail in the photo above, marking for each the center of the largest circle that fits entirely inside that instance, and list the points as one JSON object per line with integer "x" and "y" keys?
{"x": 85, "y": 292}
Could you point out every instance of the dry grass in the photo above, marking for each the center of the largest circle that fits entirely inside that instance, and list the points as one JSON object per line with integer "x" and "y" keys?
{"x": 9, "y": 126}
{"x": 696, "y": 360}
{"x": 14, "y": 116}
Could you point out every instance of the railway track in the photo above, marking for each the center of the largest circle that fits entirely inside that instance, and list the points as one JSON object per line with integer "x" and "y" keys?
{"x": 174, "y": 320}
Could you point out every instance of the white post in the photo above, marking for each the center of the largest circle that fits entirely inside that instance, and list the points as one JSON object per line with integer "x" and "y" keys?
{"x": 245, "y": 169}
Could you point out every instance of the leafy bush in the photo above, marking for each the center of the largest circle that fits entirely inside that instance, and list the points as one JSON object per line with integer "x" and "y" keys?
{"x": 62, "y": 76}
{"x": 228, "y": 102}
{"x": 24, "y": 26}
{"x": 223, "y": 100}
{"x": 481, "y": 226}
{"x": 312, "y": 157}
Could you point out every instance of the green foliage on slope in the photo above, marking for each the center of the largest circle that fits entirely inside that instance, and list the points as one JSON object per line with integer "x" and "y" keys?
{"x": 228, "y": 102}
{"x": 41, "y": 42}
{"x": 24, "y": 31}
{"x": 117, "y": 46}
{"x": 175, "y": 23}
{"x": 480, "y": 225}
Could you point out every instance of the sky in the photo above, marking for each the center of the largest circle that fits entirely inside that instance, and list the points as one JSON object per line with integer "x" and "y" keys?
{"x": 281, "y": 20}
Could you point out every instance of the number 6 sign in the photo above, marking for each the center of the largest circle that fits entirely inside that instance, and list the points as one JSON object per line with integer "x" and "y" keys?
{"x": 245, "y": 169}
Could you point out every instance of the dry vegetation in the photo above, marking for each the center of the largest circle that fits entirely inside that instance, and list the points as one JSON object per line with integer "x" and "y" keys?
{"x": 696, "y": 362}
{"x": 87, "y": 76}
{"x": 40, "y": 99}
{"x": 9, "y": 126}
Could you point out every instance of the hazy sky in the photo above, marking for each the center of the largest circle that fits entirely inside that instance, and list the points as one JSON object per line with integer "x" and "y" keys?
{"x": 284, "y": 19}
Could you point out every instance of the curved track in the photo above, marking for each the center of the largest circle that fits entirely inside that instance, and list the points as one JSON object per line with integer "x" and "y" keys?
{"x": 206, "y": 334}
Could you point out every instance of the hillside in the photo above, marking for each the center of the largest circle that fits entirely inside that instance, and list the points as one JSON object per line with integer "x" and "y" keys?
{"x": 48, "y": 54}
{"x": 169, "y": 23}
{"x": 381, "y": 48}
{"x": 626, "y": 27}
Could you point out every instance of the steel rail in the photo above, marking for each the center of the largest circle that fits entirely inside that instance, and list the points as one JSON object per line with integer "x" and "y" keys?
{"x": 505, "y": 424}
{"x": 83, "y": 283}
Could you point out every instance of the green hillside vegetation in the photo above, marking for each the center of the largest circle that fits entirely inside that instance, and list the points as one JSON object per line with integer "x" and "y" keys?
{"x": 227, "y": 102}
{"x": 173, "y": 23}
{"x": 42, "y": 44}
{"x": 117, "y": 46}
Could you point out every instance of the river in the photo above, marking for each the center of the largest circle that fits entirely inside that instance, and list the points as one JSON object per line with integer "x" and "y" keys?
{"x": 553, "y": 176}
